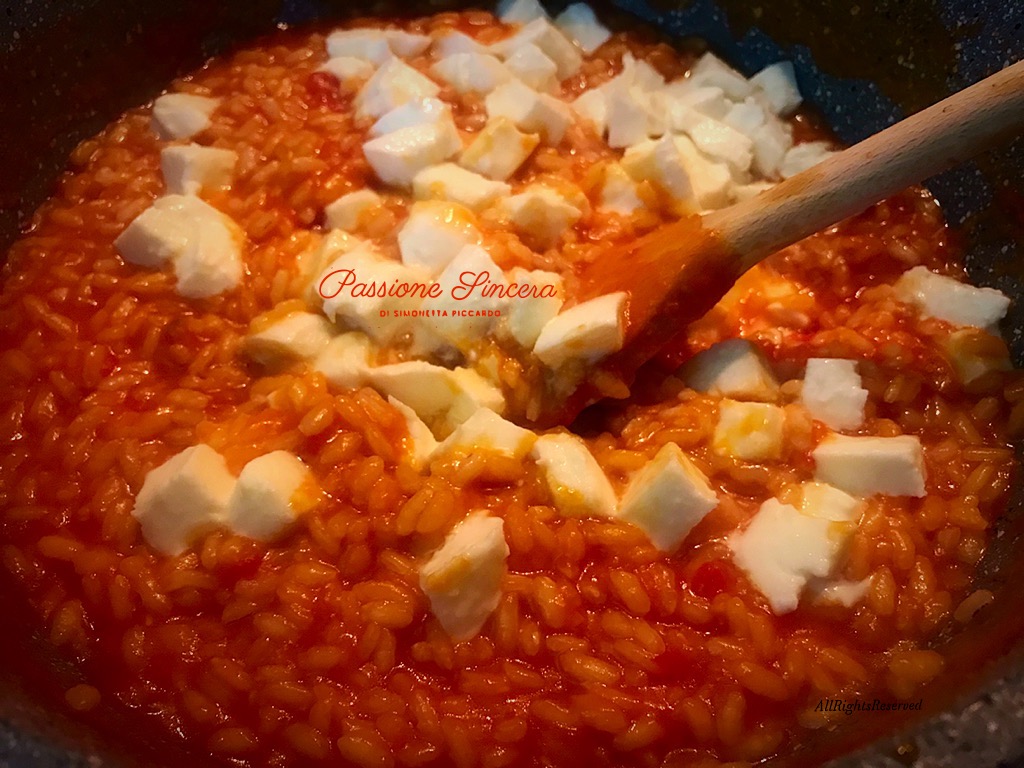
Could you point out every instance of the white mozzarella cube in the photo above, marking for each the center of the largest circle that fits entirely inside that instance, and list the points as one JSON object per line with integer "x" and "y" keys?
{"x": 845, "y": 593}
{"x": 397, "y": 157}
{"x": 734, "y": 369}
{"x": 324, "y": 250}
{"x": 348, "y": 212}
{"x": 777, "y": 84}
{"x": 423, "y": 341}
{"x": 457, "y": 42}
{"x": 832, "y": 393}
{"x": 541, "y": 212}
{"x": 487, "y": 431}
{"x": 531, "y": 65}
{"x": 529, "y": 110}
{"x": 657, "y": 117}
{"x": 782, "y": 549}
{"x": 472, "y": 392}
{"x": 948, "y": 299}
{"x": 588, "y": 332}
{"x": 348, "y": 68}
{"x": 639, "y": 73}
{"x": 271, "y": 493}
{"x": 667, "y": 498}
{"x": 422, "y": 444}
{"x": 710, "y": 181}
{"x": 711, "y": 71}
{"x": 462, "y": 580}
{"x": 434, "y": 234}
{"x": 520, "y": 11}
{"x": 687, "y": 102}
{"x": 391, "y": 86}
{"x": 181, "y": 115}
{"x": 579, "y": 23}
{"x": 527, "y": 315}
{"x": 829, "y": 503}
{"x": 455, "y": 184}
{"x": 183, "y": 499}
{"x": 345, "y": 361}
{"x": 749, "y": 431}
{"x": 366, "y": 44}
{"x": 202, "y": 243}
{"x": 550, "y": 40}
{"x": 406, "y": 44}
{"x": 296, "y": 336}
{"x": 578, "y": 485}
{"x": 803, "y": 156}
{"x": 158, "y": 234}
{"x": 434, "y": 392}
{"x": 628, "y": 116}
{"x": 661, "y": 163}
{"x": 746, "y": 117}
{"x": 635, "y": 107}
{"x": 428, "y": 389}
{"x": 680, "y": 118}
{"x": 190, "y": 168}
{"x": 865, "y": 466}
{"x": 428, "y": 111}
{"x": 592, "y": 106}
{"x": 499, "y": 149}
{"x": 470, "y": 301}
{"x": 972, "y": 360}
{"x": 619, "y": 192}
{"x": 636, "y": 76}
{"x": 772, "y": 143}
{"x": 721, "y": 142}
{"x": 377, "y": 313}
{"x": 471, "y": 72}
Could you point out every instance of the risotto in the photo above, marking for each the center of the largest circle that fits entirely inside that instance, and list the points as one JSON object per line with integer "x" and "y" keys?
{"x": 272, "y": 359}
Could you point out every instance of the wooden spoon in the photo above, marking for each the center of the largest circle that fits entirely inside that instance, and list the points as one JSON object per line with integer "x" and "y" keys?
{"x": 677, "y": 273}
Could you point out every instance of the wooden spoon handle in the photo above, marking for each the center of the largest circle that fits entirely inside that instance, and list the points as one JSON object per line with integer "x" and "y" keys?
{"x": 847, "y": 183}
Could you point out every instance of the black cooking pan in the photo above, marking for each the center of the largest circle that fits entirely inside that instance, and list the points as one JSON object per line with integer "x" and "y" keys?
{"x": 68, "y": 68}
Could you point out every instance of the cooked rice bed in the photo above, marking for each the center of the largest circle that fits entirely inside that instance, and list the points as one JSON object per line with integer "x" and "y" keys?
{"x": 323, "y": 646}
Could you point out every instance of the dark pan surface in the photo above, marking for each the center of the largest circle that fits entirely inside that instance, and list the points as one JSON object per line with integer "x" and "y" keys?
{"x": 68, "y": 67}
